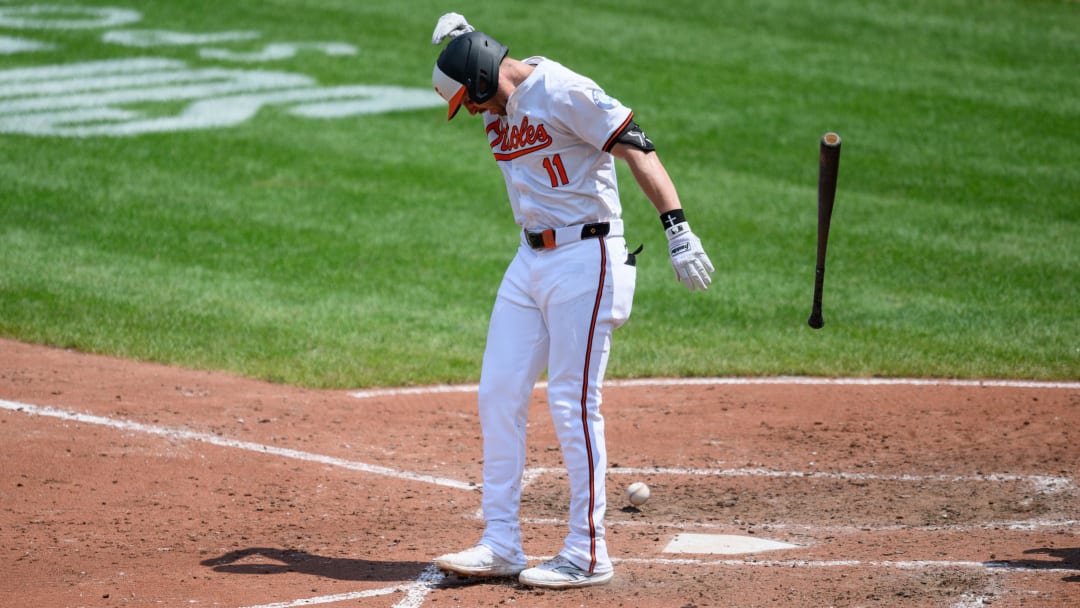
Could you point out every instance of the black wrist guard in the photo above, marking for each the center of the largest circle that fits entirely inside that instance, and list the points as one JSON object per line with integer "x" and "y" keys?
{"x": 670, "y": 218}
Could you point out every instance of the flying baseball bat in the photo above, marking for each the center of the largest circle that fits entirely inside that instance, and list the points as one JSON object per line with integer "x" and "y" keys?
{"x": 828, "y": 166}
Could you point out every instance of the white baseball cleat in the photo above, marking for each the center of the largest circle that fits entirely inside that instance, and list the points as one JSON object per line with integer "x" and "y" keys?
{"x": 560, "y": 573}
{"x": 477, "y": 561}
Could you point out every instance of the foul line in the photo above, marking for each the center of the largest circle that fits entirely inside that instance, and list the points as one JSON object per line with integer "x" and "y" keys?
{"x": 765, "y": 380}
{"x": 170, "y": 433}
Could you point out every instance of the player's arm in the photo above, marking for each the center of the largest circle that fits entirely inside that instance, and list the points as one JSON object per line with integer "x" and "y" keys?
{"x": 650, "y": 175}
{"x": 688, "y": 258}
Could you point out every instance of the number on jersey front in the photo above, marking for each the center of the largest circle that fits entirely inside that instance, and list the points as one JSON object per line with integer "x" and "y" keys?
{"x": 556, "y": 171}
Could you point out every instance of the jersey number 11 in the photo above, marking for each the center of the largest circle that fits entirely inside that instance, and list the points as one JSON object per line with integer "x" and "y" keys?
{"x": 553, "y": 164}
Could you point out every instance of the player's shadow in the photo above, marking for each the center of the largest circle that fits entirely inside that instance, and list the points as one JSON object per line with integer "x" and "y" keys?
{"x": 302, "y": 562}
{"x": 1066, "y": 558}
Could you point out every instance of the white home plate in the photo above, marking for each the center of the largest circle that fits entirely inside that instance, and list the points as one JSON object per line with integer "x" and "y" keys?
{"x": 723, "y": 544}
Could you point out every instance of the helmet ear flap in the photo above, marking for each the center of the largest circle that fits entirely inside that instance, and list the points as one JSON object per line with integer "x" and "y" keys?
{"x": 482, "y": 86}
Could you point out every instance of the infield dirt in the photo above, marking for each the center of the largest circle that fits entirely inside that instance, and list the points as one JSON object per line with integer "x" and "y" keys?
{"x": 135, "y": 484}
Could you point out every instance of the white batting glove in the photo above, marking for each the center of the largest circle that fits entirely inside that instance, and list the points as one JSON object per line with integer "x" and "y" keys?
{"x": 450, "y": 25}
{"x": 688, "y": 258}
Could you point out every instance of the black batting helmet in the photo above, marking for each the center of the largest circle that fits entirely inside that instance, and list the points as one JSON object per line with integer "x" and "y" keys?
{"x": 469, "y": 63}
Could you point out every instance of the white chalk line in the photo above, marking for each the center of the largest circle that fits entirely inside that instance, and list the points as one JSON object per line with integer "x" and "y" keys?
{"x": 816, "y": 381}
{"x": 1048, "y": 484}
{"x": 338, "y": 597}
{"x": 1013, "y": 525}
{"x": 415, "y": 592}
{"x": 186, "y": 435}
{"x": 844, "y": 563}
{"x": 972, "y": 601}
{"x": 740, "y": 381}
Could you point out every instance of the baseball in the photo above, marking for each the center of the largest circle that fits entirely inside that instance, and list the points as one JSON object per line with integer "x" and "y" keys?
{"x": 637, "y": 493}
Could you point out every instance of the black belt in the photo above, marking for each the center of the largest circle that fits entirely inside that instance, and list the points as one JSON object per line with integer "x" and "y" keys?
{"x": 550, "y": 238}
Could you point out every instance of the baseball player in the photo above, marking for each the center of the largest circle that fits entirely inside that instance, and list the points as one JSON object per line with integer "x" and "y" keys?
{"x": 554, "y": 134}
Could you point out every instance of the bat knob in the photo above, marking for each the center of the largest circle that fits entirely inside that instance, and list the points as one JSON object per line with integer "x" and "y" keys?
{"x": 815, "y": 320}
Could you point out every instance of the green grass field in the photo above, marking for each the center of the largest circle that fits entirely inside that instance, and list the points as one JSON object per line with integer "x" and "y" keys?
{"x": 361, "y": 249}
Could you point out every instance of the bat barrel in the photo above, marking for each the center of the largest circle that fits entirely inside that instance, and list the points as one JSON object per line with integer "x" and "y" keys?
{"x": 827, "y": 172}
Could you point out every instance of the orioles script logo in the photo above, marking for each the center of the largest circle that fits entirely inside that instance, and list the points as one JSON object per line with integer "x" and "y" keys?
{"x": 512, "y": 142}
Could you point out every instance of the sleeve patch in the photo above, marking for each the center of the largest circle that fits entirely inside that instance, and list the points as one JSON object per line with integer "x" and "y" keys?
{"x": 603, "y": 100}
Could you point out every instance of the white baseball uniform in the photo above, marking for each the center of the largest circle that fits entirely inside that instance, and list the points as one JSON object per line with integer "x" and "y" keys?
{"x": 570, "y": 285}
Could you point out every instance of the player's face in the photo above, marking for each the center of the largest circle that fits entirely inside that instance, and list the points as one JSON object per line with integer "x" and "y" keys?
{"x": 495, "y": 105}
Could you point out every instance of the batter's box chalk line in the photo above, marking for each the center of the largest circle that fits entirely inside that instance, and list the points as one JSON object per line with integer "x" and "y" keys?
{"x": 415, "y": 593}
{"x": 1046, "y": 484}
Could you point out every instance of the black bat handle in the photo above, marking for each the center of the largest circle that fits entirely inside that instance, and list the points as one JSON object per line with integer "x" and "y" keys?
{"x": 815, "y": 320}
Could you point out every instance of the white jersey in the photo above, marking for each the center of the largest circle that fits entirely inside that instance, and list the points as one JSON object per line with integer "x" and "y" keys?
{"x": 552, "y": 148}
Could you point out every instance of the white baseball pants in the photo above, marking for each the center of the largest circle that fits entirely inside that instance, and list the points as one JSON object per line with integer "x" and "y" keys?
{"x": 555, "y": 309}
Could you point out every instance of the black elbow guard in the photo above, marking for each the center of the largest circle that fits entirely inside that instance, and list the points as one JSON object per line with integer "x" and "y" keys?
{"x": 632, "y": 135}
